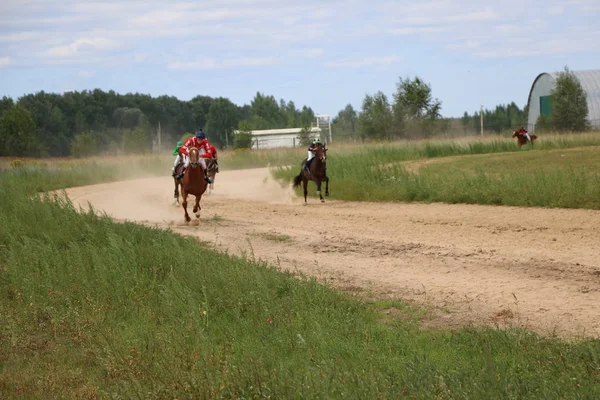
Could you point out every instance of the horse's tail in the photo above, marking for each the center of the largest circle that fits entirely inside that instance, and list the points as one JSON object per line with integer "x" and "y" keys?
{"x": 297, "y": 179}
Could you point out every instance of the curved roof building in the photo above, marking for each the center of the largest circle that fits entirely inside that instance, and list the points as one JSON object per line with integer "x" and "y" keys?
{"x": 539, "y": 95}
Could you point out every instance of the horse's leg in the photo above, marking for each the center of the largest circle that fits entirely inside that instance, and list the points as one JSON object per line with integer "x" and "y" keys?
{"x": 305, "y": 187}
{"x": 197, "y": 207}
{"x": 318, "y": 182}
{"x": 184, "y": 196}
{"x": 326, "y": 185}
{"x": 176, "y": 192}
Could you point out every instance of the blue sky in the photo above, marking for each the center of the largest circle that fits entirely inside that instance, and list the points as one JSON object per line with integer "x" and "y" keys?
{"x": 320, "y": 53}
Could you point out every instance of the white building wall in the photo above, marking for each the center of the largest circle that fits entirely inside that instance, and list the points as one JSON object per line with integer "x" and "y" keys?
{"x": 542, "y": 86}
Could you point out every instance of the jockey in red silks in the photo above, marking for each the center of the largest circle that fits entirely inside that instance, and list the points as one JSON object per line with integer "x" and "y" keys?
{"x": 202, "y": 144}
{"x": 524, "y": 132}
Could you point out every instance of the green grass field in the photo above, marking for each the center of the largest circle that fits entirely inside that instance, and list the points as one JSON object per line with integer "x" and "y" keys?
{"x": 553, "y": 174}
{"x": 96, "y": 309}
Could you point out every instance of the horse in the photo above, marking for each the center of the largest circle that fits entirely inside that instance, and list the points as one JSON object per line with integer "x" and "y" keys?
{"x": 521, "y": 138}
{"x": 318, "y": 173}
{"x": 193, "y": 183}
{"x": 178, "y": 170}
{"x": 211, "y": 167}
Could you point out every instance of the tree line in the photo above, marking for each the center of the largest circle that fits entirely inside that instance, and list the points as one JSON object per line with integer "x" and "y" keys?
{"x": 92, "y": 122}
{"x": 413, "y": 112}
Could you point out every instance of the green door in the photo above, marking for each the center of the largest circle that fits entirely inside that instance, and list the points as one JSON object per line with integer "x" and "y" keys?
{"x": 545, "y": 105}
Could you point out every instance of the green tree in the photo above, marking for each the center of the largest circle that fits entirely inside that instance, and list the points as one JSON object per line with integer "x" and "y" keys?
{"x": 543, "y": 124}
{"x": 414, "y": 107}
{"x": 569, "y": 106}
{"x": 305, "y": 136}
{"x": 222, "y": 118}
{"x": 19, "y": 135}
{"x": 243, "y": 139}
{"x": 376, "y": 118}
{"x": 6, "y": 104}
{"x": 135, "y": 141}
{"x": 345, "y": 123}
{"x": 84, "y": 145}
{"x": 268, "y": 109}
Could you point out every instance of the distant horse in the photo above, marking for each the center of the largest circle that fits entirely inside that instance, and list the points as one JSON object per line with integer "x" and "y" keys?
{"x": 178, "y": 170}
{"x": 193, "y": 183}
{"x": 211, "y": 167}
{"x": 521, "y": 138}
{"x": 318, "y": 173}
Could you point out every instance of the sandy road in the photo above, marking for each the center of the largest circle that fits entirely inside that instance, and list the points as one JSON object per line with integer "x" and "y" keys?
{"x": 538, "y": 268}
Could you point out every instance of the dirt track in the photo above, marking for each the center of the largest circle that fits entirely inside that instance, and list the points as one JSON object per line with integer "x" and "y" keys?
{"x": 538, "y": 268}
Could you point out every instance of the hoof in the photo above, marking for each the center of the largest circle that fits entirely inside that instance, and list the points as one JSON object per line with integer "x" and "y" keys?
{"x": 198, "y": 215}
{"x": 322, "y": 200}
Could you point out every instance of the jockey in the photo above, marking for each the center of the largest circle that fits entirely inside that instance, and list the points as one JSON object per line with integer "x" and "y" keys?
{"x": 178, "y": 159}
{"x": 311, "y": 152}
{"x": 202, "y": 144}
{"x": 214, "y": 156}
{"x": 524, "y": 132}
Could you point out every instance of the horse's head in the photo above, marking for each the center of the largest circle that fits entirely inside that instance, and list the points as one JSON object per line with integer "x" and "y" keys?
{"x": 515, "y": 134}
{"x": 194, "y": 155}
{"x": 321, "y": 153}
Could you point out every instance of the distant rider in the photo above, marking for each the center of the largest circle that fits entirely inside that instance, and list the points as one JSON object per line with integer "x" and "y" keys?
{"x": 524, "y": 132}
{"x": 178, "y": 159}
{"x": 199, "y": 141}
{"x": 214, "y": 157}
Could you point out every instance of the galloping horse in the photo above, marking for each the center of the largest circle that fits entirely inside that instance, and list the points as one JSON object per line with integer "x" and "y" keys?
{"x": 318, "y": 173}
{"x": 211, "y": 167}
{"x": 521, "y": 138}
{"x": 192, "y": 183}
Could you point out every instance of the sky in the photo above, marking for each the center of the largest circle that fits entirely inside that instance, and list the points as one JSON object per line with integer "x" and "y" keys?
{"x": 320, "y": 53}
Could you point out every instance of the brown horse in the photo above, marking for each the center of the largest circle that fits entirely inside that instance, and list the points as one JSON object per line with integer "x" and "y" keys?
{"x": 521, "y": 138}
{"x": 193, "y": 183}
{"x": 211, "y": 167}
{"x": 317, "y": 174}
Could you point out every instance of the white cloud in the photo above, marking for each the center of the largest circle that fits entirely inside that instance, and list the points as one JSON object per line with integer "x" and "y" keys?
{"x": 19, "y": 37}
{"x": 556, "y": 10}
{"x": 86, "y": 73}
{"x": 77, "y": 32}
{"x": 363, "y": 62}
{"x": 415, "y": 30}
{"x": 213, "y": 63}
{"x": 81, "y": 46}
{"x": 4, "y": 61}
{"x": 306, "y": 53}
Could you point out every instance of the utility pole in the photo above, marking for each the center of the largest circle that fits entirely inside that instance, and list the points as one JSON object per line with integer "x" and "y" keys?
{"x": 159, "y": 139}
{"x": 481, "y": 117}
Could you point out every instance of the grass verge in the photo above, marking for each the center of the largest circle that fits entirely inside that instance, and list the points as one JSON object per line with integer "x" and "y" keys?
{"x": 568, "y": 178}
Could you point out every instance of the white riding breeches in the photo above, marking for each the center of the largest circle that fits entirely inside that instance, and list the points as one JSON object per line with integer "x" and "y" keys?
{"x": 310, "y": 156}
{"x": 177, "y": 160}
{"x": 201, "y": 161}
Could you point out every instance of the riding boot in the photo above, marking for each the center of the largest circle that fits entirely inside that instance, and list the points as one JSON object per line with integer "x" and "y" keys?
{"x": 181, "y": 175}
{"x": 217, "y": 164}
{"x": 206, "y": 178}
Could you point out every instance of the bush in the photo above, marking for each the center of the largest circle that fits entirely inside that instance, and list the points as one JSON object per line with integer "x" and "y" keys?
{"x": 84, "y": 145}
{"x": 243, "y": 138}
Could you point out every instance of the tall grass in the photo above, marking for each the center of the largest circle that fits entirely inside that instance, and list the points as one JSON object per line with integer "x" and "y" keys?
{"x": 561, "y": 172}
{"x": 95, "y": 309}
